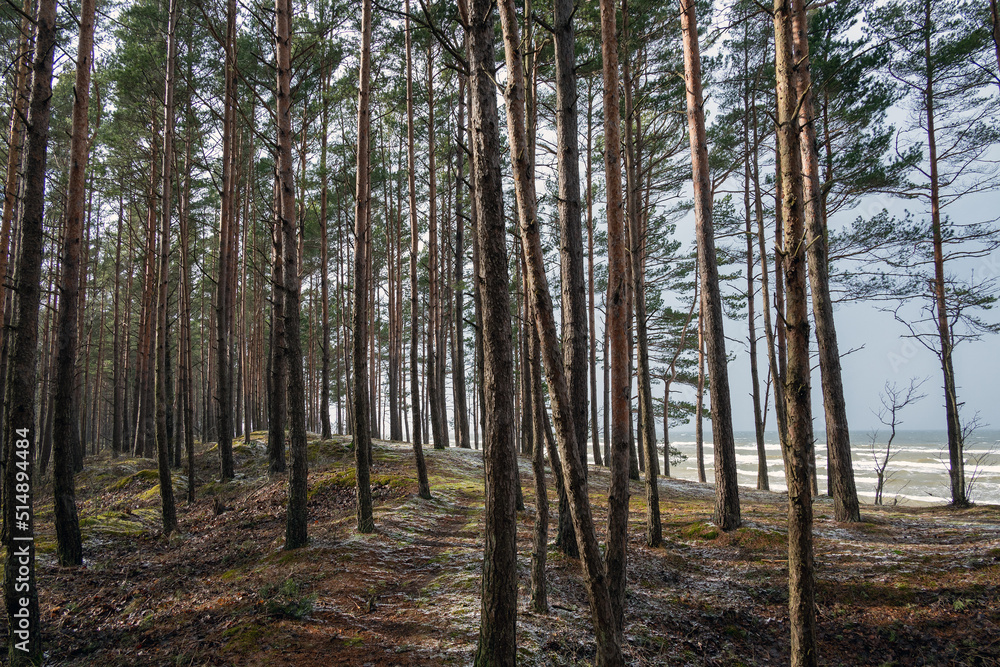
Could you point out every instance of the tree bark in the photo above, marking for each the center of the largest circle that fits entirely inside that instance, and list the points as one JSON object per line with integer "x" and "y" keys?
{"x": 324, "y": 280}
{"x": 458, "y": 338}
{"x": 226, "y": 220}
{"x": 423, "y": 485}
{"x": 362, "y": 268}
{"x": 435, "y": 390}
{"x": 66, "y": 434}
{"x": 498, "y": 619}
{"x": 539, "y": 546}
{"x": 169, "y": 511}
{"x": 185, "y": 375}
{"x": 956, "y": 459}
{"x": 838, "y": 438}
{"x": 801, "y": 593}
{"x": 618, "y": 492}
{"x": 596, "y": 583}
{"x": 727, "y": 500}
{"x": 278, "y": 364}
{"x": 19, "y": 416}
{"x": 574, "y": 289}
{"x": 596, "y": 440}
{"x": 758, "y": 420}
{"x": 297, "y": 519}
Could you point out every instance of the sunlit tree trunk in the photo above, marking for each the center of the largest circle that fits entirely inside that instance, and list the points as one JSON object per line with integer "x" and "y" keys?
{"x": 596, "y": 441}
{"x": 801, "y": 593}
{"x": 838, "y": 439}
{"x": 574, "y": 290}
{"x": 727, "y": 500}
{"x": 435, "y": 390}
{"x": 418, "y": 451}
{"x": 498, "y": 619}
{"x": 616, "y": 323}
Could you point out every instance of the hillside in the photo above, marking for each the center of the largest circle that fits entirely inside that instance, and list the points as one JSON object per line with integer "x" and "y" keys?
{"x": 909, "y": 586}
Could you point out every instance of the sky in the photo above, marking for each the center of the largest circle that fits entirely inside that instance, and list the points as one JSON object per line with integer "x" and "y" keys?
{"x": 883, "y": 354}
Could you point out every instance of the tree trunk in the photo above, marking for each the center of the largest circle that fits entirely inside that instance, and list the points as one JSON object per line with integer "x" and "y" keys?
{"x": 618, "y": 492}
{"x": 574, "y": 289}
{"x": 362, "y": 268}
{"x": 324, "y": 391}
{"x": 169, "y": 511}
{"x": 758, "y": 420}
{"x": 647, "y": 429}
{"x": 498, "y": 619}
{"x": 574, "y": 478}
{"x": 956, "y": 458}
{"x": 66, "y": 436}
{"x": 699, "y": 413}
{"x": 435, "y": 391}
{"x": 297, "y": 519}
{"x": 539, "y": 546}
{"x": 118, "y": 361}
{"x": 423, "y": 486}
{"x": 596, "y": 441}
{"x": 727, "y": 500}
{"x": 458, "y": 362}
{"x": 22, "y": 81}
{"x": 185, "y": 375}
{"x": 277, "y": 362}
{"x": 19, "y": 417}
{"x": 838, "y": 439}
{"x": 801, "y": 593}
{"x": 223, "y": 288}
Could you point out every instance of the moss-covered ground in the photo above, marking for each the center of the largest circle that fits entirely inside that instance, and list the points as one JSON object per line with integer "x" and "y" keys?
{"x": 908, "y": 586}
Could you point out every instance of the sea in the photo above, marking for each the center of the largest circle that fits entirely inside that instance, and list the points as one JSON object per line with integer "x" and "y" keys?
{"x": 917, "y": 472}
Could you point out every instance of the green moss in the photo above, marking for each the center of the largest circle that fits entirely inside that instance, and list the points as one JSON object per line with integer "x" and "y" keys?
{"x": 347, "y": 479}
{"x": 149, "y": 475}
{"x": 243, "y": 638}
{"x": 114, "y": 523}
{"x": 699, "y": 531}
{"x": 758, "y": 540}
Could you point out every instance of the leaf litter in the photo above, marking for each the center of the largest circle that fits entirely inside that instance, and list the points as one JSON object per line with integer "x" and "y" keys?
{"x": 907, "y": 586}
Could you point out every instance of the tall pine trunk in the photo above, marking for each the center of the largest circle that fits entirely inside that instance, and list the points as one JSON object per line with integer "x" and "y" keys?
{"x": 324, "y": 280}
{"x": 801, "y": 592}
{"x": 574, "y": 289}
{"x": 418, "y": 451}
{"x": 19, "y": 398}
{"x": 727, "y": 500}
{"x": 498, "y": 620}
{"x": 573, "y": 464}
{"x": 297, "y": 518}
{"x": 362, "y": 269}
{"x": 169, "y": 512}
{"x": 65, "y": 405}
{"x": 956, "y": 460}
{"x": 227, "y": 220}
{"x": 617, "y": 347}
{"x": 838, "y": 438}
{"x": 461, "y": 408}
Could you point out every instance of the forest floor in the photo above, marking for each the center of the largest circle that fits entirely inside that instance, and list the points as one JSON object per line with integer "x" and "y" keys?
{"x": 907, "y": 586}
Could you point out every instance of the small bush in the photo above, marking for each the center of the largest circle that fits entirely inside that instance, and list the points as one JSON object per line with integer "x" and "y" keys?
{"x": 286, "y": 600}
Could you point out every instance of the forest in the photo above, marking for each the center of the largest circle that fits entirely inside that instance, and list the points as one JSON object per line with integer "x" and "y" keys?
{"x": 350, "y": 333}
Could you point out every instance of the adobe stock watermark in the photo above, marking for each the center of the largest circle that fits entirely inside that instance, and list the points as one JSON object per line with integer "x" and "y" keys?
{"x": 22, "y": 555}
